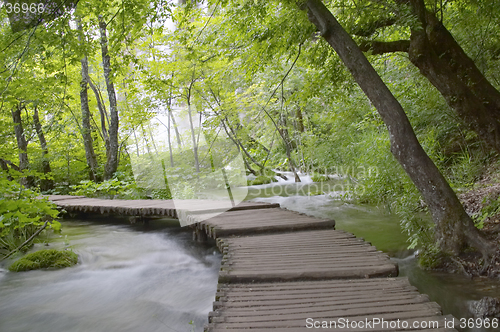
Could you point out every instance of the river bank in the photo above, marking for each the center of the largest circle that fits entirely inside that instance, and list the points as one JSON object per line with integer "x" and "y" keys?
{"x": 482, "y": 203}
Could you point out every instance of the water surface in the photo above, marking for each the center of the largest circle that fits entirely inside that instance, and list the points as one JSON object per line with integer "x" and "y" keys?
{"x": 128, "y": 279}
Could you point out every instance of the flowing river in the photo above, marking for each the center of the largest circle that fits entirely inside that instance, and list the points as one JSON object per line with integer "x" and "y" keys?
{"x": 132, "y": 278}
{"x": 129, "y": 279}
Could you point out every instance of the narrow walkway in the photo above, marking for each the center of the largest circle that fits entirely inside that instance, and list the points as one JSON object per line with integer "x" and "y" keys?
{"x": 307, "y": 255}
{"x": 148, "y": 207}
{"x": 285, "y": 271}
{"x": 293, "y": 306}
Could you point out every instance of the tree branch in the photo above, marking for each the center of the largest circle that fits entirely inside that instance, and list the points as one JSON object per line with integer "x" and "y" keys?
{"x": 27, "y": 241}
{"x": 4, "y": 164}
{"x": 371, "y": 28}
{"x": 378, "y": 47}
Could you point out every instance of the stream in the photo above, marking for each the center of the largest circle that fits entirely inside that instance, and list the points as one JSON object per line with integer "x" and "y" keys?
{"x": 155, "y": 278}
{"x": 128, "y": 279}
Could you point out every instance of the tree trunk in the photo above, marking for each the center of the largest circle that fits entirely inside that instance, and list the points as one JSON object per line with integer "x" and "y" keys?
{"x": 22, "y": 145}
{"x": 170, "y": 151}
{"x": 193, "y": 137}
{"x": 232, "y": 135}
{"x": 112, "y": 152}
{"x": 288, "y": 146}
{"x": 86, "y": 128}
{"x": 102, "y": 112}
{"x": 299, "y": 120}
{"x": 46, "y": 184}
{"x": 454, "y": 228}
{"x": 177, "y": 135}
{"x": 444, "y": 63}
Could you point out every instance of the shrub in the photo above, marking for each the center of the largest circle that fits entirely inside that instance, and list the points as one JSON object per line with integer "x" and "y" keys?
{"x": 22, "y": 213}
{"x": 113, "y": 188}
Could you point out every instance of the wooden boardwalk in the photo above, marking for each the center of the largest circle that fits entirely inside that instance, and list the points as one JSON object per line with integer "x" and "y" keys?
{"x": 272, "y": 219}
{"x": 289, "y": 306}
{"x": 302, "y": 255}
{"x": 148, "y": 207}
{"x": 285, "y": 271}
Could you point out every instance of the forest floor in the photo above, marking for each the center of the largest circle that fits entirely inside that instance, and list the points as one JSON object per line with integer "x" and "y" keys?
{"x": 484, "y": 192}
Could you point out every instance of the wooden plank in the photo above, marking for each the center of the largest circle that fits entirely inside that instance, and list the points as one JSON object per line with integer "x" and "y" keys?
{"x": 231, "y": 316}
{"x": 389, "y": 282}
{"x": 272, "y": 228}
{"x": 308, "y": 273}
{"x": 276, "y": 237}
{"x": 326, "y": 305}
{"x": 310, "y": 301}
{"x": 403, "y": 313}
{"x": 304, "y": 329}
{"x": 313, "y": 295}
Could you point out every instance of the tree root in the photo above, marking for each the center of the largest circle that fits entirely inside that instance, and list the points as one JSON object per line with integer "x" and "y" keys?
{"x": 459, "y": 263}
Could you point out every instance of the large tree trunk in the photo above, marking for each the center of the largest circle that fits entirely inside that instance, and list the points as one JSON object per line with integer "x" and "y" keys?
{"x": 454, "y": 228}
{"x": 46, "y": 184}
{"x": 22, "y": 144}
{"x": 444, "y": 63}
{"x": 112, "y": 151}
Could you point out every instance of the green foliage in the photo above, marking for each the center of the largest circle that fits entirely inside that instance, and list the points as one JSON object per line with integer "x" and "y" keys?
{"x": 255, "y": 69}
{"x": 43, "y": 259}
{"x": 116, "y": 188}
{"x": 430, "y": 257}
{"x": 21, "y": 213}
{"x": 491, "y": 208}
{"x": 110, "y": 189}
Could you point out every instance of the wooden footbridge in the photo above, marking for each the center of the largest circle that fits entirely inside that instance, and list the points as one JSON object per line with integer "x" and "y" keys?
{"x": 285, "y": 271}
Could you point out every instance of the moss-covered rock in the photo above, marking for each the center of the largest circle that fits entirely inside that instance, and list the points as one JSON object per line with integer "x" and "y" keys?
{"x": 49, "y": 258}
{"x": 316, "y": 192}
{"x": 319, "y": 177}
{"x": 262, "y": 179}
